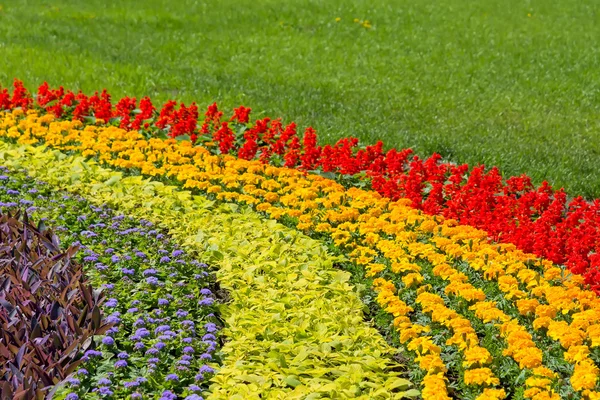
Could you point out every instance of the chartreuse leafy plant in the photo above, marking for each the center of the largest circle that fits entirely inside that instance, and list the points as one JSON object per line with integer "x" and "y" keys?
{"x": 49, "y": 312}
{"x": 294, "y": 325}
{"x": 163, "y": 336}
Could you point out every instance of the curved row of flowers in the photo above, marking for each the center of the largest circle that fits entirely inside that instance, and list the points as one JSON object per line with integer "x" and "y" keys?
{"x": 539, "y": 220}
{"x": 451, "y": 292}
{"x": 294, "y": 326}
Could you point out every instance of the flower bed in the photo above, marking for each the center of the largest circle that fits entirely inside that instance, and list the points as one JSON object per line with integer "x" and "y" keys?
{"x": 480, "y": 319}
{"x": 539, "y": 220}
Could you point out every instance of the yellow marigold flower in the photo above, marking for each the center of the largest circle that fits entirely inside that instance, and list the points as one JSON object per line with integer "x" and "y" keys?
{"x": 432, "y": 363}
{"x": 434, "y": 387}
{"x": 543, "y": 383}
{"x": 476, "y": 355}
{"x": 576, "y": 354}
{"x": 593, "y": 333}
{"x": 527, "y": 306}
{"x": 374, "y": 269}
{"x": 412, "y": 279}
{"x": 585, "y": 376}
{"x": 480, "y": 376}
{"x": 492, "y": 394}
{"x": 263, "y": 206}
{"x": 507, "y": 283}
{"x": 214, "y": 189}
{"x": 398, "y": 267}
{"x": 591, "y": 395}
{"x": 545, "y": 311}
{"x": 541, "y": 322}
{"x": 303, "y": 226}
{"x": 543, "y": 371}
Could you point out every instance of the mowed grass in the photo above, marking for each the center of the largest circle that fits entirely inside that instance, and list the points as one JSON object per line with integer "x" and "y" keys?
{"x": 511, "y": 83}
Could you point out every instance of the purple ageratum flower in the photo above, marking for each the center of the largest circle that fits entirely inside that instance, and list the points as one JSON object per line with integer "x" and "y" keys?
{"x": 187, "y": 323}
{"x": 187, "y": 340}
{"x": 108, "y": 286}
{"x": 132, "y": 310}
{"x": 136, "y": 395}
{"x": 152, "y": 281}
{"x": 109, "y": 250}
{"x": 111, "y": 302}
{"x": 141, "y": 254}
{"x": 172, "y": 377}
{"x": 118, "y": 218}
{"x": 194, "y": 397}
{"x": 81, "y": 218}
{"x": 176, "y": 253}
{"x": 26, "y": 202}
{"x": 159, "y": 345}
{"x": 3, "y": 178}
{"x": 210, "y": 327}
{"x": 142, "y": 332}
{"x": 90, "y": 259}
{"x": 183, "y": 362}
{"x": 108, "y": 341}
{"x": 82, "y": 371}
{"x": 139, "y": 322}
{"x": 206, "y": 356}
{"x": 194, "y": 388}
{"x": 168, "y": 395}
{"x": 112, "y": 330}
{"x": 163, "y": 302}
{"x": 112, "y": 319}
{"x": 182, "y": 262}
{"x": 152, "y": 351}
{"x": 160, "y": 236}
{"x": 161, "y": 328}
{"x": 101, "y": 267}
{"x": 205, "y": 369}
{"x": 121, "y": 364}
{"x": 141, "y": 380}
{"x": 104, "y": 382}
{"x": 162, "y": 251}
{"x": 114, "y": 259}
{"x": 205, "y": 292}
{"x": 72, "y": 396}
{"x": 199, "y": 377}
{"x": 93, "y": 353}
{"x": 12, "y": 192}
{"x": 126, "y": 257}
{"x": 206, "y": 302}
{"x": 74, "y": 382}
{"x": 139, "y": 346}
{"x": 165, "y": 259}
{"x": 149, "y": 271}
{"x": 131, "y": 384}
{"x": 123, "y": 355}
{"x": 153, "y": 360}
{"x": 105, "y": 391}
{"x": 181, "y": 313}
{"x": 127, "y": 271}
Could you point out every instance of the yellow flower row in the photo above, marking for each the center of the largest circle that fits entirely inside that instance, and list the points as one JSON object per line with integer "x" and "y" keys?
{"x": 382, "y": 235}
{"x": 562, "y": 295}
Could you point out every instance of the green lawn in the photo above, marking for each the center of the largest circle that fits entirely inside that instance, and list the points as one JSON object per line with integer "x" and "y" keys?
{"x": 512, "y": 83}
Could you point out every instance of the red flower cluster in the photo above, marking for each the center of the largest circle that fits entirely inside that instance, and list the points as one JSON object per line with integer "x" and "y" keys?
{"x": 538, "y": 220}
